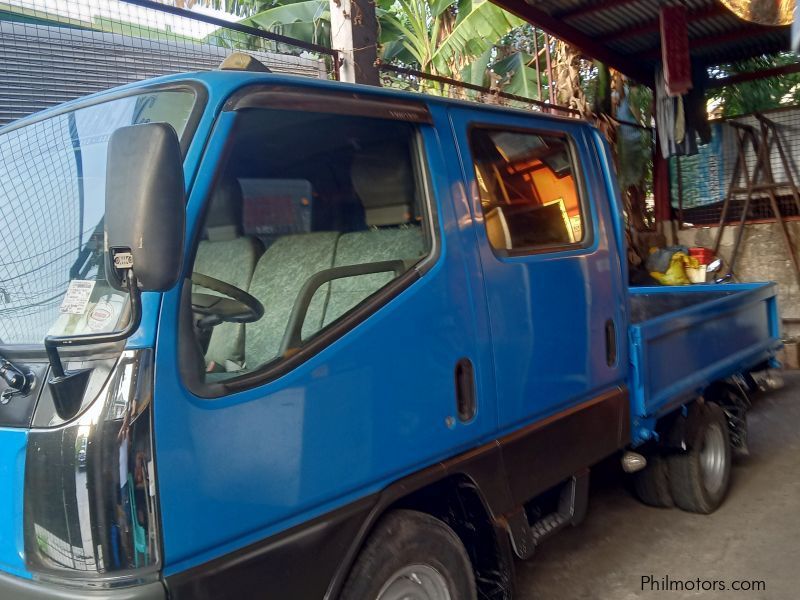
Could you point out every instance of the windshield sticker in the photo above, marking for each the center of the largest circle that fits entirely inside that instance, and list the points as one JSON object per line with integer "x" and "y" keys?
{"x": 103, "y": 316}
{"x": 77, "y": 297}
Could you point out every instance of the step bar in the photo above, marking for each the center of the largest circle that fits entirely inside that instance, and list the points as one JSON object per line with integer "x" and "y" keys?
{"x": 572, "y": 504}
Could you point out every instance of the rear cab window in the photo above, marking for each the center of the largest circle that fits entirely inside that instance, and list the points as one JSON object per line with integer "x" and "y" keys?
{"x": 529, "y": 190}
{"x": 306, "y": 193}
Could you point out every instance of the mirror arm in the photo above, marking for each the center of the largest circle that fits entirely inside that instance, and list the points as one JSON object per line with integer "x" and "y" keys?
{"x": 53, "y": 342}
{"x": 68, "y": 387}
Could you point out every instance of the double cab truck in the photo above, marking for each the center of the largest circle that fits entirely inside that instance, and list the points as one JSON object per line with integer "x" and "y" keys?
{"x": 269, "y": 337}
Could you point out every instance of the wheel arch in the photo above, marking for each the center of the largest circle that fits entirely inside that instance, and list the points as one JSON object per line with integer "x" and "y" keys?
{"x": 459, "y": 501}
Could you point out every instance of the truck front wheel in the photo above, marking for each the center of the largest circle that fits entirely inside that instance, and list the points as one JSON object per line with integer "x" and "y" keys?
{"x": 699, "y": 477}
{"x": 411, "y": 555}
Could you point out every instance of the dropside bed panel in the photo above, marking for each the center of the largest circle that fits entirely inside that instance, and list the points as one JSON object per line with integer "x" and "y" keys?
{"x": 684, "y": 338}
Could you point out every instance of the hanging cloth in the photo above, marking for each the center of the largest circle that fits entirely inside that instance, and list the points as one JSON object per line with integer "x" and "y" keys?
{"x": 675, "y": 49}
{"x": 665, "y": 116}
{"x": 680, "y": 121}
{"x": 695, "y": 107}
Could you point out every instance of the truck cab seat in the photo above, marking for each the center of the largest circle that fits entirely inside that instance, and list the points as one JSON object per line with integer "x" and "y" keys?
{"x": 279, "y": 275}
{"x": 227, "y": 255}
{"x": 284, "y": 222}
{"x": 387, "y": 192}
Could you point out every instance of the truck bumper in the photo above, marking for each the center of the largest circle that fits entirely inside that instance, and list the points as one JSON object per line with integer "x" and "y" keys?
{"x": 25, "y": 589}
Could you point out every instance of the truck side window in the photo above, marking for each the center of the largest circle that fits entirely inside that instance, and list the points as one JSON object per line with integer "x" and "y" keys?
{"x": 527, "y": 188}
{"x": 301, "y": 196}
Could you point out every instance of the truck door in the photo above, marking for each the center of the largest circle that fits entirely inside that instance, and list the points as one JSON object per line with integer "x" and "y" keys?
{"x": 296, "y": 416}
{"x": 550, "y": 269}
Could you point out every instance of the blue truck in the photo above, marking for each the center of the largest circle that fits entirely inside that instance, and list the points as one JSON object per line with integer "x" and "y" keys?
{"x": 269, "y": 337}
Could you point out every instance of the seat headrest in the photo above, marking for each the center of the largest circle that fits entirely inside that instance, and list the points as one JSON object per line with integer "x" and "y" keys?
{"x": 383, "y": 179}
{"x": 224, "y": 220}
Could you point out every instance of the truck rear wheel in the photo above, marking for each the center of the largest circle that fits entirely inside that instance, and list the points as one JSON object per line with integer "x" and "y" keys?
{"x": 414, "y": 556}
{"x": 699, "y": 478}
{"x": 651, "y": 484}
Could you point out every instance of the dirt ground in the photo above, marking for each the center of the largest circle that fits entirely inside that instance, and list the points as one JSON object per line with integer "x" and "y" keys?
{"x": 752, "y": 541}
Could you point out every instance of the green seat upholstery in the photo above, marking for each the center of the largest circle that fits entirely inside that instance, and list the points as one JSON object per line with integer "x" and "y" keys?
{"x": 405, "y": 243}
{"x": 385, "y": 184}
{"x": 279, "y": 275}
{"x": 386, "y": 189}
{"x": 231, "y": 261}
{"x": 229, "y": 257}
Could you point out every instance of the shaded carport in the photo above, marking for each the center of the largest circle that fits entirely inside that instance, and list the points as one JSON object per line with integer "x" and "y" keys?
{"x": 623, "y": 543}
{"x": 625, "y": 34}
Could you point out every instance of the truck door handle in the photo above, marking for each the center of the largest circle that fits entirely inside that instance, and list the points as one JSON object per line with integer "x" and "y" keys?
{"x": 611, "y": 343}
{"x": 465, "y": 390}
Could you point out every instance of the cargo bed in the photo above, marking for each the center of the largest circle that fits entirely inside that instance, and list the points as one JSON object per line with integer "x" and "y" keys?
{"x": 684, "y": 338}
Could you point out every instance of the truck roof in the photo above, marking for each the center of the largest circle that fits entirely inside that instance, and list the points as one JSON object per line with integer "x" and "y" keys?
{"x": 220, "y": 84}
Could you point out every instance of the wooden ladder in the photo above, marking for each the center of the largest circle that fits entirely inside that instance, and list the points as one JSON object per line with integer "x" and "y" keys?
{"x": 762, "y": 181}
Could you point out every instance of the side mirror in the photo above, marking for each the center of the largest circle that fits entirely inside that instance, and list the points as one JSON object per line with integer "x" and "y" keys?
{"x": 145, "y": 206}
{"x": 145, "y": 222}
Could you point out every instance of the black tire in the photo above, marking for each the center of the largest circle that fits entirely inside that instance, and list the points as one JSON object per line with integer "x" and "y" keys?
{"x": 651, "y": 484}
{"x": 695, "y": 487}
{"x": 404, "y": 538}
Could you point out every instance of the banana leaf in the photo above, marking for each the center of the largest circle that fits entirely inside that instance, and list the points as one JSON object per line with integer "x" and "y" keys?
{"x": 306, "y": 11}
{"x": 517, "y": 77}
{"x": 475, "y": 34}
{"x": 476, "y": 72}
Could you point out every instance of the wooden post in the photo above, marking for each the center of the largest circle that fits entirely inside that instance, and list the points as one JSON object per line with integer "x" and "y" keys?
{"x": 536, "y": 60}
{"x": 354, "y": 33}
{"x": 551, "y": 84}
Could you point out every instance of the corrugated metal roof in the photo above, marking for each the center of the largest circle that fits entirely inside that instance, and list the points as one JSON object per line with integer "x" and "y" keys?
{"x": 44, "y": 65}
{"x": 629, "y": 29}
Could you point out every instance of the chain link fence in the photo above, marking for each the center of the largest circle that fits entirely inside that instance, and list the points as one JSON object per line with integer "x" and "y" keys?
{"x": 57, "y": 50}
{"x": 699, "y": 183}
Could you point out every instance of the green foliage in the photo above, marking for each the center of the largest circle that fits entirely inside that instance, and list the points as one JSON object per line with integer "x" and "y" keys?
{"x": 517, "y": 77}
{"x": 761, "y": 94}
{"x": 474, "y": 33}
{"x": 307, "y": 20}
{"x": 472, "y": 40}
{"x": 477, "y": 72}
{"x": 641, "y": 103}
{"x": 431, "y": 35}
{"x": 241, "y": 8}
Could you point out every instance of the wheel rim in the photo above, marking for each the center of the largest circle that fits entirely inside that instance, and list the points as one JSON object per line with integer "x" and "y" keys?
{"x": 415, "y": 582}
{"x": 713, "y": 458}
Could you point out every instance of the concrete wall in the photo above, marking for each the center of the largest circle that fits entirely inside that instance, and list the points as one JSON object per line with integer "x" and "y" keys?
{"x": 762, "y": 257}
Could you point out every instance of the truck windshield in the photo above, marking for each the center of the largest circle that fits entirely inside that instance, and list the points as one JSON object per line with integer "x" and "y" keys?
{"x": 52, "y": 198}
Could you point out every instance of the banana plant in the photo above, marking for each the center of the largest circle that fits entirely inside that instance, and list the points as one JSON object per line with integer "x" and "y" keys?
{"x": 444, "y": 36}
{"x": 517, "y": 76}
{"x": 241, "y": 8}
{"x": 461, "y": 39}
{"x": 306, "y": 20}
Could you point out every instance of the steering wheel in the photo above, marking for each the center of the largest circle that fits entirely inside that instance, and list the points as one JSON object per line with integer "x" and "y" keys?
{"x": 234, "y": 306}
